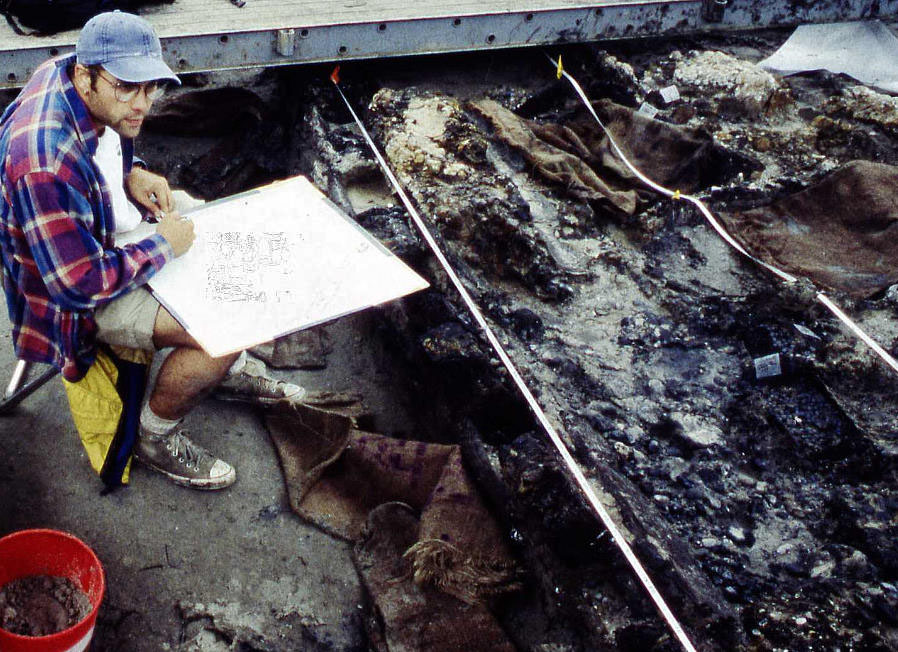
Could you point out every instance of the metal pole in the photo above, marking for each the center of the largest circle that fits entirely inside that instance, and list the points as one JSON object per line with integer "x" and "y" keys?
{"x": 16, "y": 380}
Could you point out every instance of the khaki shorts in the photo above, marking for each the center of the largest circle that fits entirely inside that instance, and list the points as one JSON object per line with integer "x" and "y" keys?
{"x": 129, "y": 320}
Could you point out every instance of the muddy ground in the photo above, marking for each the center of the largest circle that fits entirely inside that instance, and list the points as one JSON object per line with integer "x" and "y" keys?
{"x": 762, "y": 508}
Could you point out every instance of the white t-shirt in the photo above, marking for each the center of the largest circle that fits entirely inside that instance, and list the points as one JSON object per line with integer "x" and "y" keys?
{"x": 109, "y": 159}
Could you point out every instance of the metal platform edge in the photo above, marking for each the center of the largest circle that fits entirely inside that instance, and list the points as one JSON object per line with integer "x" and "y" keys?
{"x": 299, "y": 44}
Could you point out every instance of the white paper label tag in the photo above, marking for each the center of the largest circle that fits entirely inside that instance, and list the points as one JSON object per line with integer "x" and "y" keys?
{"x": 768, "y": 366}
{"x": 647, "y": 109}
{"x": 670, "y": 94}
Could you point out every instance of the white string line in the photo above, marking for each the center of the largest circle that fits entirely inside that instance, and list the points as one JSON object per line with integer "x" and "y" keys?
{"x": 825, "y": 300}
{"x": 582, "y": 482}
{"x": 788, "y": 278}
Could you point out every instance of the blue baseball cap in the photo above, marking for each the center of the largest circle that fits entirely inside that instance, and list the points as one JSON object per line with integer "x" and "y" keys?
{"x": 125, "y": 45}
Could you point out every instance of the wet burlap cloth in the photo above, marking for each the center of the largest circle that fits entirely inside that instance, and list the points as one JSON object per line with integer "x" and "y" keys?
{"x": 842, "y": 233}
{"x": 305, "y": 349}
{"x": 428, "y": 550}
{"x": 578, "y": 154}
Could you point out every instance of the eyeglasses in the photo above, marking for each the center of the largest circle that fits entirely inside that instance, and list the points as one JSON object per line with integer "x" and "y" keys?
{"x": 127, "y": 91}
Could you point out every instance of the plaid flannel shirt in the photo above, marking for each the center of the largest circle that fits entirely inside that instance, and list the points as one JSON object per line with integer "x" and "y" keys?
{"x": 59, "y": 258}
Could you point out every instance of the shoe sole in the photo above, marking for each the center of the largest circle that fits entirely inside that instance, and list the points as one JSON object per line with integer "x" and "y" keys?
{"x": 212, "y": 484}
{"x": 256, "y": 400}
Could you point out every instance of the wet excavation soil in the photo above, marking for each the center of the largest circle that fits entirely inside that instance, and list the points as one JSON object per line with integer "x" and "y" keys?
{"x": 39, "y": 605}
{"x": 763, "y": 508}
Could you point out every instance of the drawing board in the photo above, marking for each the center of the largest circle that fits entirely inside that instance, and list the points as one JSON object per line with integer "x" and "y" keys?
{"x": 272, "y": 261}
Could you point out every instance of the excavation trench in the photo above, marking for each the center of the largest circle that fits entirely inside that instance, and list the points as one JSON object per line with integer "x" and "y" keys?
{"x": 761, "y": 506}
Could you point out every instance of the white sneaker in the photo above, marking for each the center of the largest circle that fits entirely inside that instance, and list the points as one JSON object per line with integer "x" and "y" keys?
{"x": 183, "y": 462}
{"x": 252, "y": 384}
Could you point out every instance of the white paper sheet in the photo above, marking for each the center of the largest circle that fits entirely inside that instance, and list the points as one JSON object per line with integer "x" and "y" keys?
{"x": 272, "y": 261}
{"x": 865, "y": 50}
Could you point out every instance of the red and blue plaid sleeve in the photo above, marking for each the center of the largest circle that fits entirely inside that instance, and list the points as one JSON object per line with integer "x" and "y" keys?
{"x": 78, "y": 272}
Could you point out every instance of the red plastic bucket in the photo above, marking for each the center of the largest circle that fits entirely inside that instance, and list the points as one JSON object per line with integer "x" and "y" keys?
{"x": 50, "y": 552}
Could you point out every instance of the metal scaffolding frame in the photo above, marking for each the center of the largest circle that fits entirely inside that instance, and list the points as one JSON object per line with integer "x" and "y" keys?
{"x": 209, "y": 35}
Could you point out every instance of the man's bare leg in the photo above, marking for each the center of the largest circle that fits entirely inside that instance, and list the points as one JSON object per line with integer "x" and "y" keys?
{"x": 188, "y": 373}
{"x": 186, "y": 376}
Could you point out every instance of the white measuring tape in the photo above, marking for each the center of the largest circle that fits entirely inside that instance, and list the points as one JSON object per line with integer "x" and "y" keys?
{"x": 675, "y": 194}
{"x": 572, "y": 466}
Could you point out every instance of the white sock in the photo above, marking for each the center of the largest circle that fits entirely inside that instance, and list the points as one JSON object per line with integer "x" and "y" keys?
{"x": 238, "y": 365}
{"x": 153, "y": 425}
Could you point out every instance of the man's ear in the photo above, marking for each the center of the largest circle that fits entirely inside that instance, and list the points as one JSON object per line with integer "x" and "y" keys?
{"x": 81, "y": 79}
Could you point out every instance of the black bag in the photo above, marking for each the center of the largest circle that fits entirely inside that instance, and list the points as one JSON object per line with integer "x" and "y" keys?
{"x": 51, "y": 16}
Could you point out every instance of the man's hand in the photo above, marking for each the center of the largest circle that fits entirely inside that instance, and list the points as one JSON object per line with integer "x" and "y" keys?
{"x": 178, "y": 232}
{"x": 150, "y": 191}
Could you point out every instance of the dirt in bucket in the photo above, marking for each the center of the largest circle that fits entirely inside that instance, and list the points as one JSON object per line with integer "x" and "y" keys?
{"x": 39, "y": 605}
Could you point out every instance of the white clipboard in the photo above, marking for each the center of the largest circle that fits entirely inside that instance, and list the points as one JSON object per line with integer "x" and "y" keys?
{"x": 272, "y": 261}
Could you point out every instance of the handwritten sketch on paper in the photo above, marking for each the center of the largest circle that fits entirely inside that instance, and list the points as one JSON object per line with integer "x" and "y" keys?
{"x": 248, "y": 267}
{"x": 272, "y": 261}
